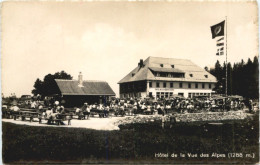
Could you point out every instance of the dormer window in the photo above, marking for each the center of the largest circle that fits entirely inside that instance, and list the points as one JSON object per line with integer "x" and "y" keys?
{"x": 206, "y": 76}
{"x": 191, "y": 75}
{"x": 161, "y": 65}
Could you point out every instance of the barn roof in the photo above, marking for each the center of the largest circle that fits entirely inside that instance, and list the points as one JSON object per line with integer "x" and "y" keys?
{"x": 192, "y": 72}
{"x": 71, "y": 87}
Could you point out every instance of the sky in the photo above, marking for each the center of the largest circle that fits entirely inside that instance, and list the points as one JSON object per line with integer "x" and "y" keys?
{"x": 106, "y": 40}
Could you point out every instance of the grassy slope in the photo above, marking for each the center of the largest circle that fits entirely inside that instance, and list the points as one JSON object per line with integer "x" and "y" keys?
{"x": 132, "y": 143}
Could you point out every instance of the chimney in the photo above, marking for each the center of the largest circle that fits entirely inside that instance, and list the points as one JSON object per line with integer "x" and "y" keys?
{"x": 80, "y": 80}
{"x": 141, "y": 63}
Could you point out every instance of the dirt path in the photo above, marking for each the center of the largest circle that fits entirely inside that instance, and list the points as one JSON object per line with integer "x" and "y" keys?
{"x": 92, "y": 123}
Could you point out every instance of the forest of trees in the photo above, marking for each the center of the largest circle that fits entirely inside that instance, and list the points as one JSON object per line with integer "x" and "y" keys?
{"x": 242, "y": 78}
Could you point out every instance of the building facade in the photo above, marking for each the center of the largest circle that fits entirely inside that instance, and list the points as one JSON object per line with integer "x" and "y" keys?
{"x": 165, "y": 77}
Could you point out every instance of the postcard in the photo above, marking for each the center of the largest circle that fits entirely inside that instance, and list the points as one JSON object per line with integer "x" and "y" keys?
{"x": 127, "y": 82}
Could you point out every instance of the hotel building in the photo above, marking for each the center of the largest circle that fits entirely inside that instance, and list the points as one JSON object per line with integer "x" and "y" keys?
{"x": 164, "y": 77}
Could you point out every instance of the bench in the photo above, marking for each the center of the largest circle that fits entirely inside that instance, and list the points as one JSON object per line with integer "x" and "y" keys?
{"x": 58, "y": 120}
{"x": 100, "y": 113}
{"x": 24, "y": 115}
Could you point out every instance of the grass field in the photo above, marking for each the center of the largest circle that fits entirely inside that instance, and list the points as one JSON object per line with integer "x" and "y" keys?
{"x": 132, "y": 143}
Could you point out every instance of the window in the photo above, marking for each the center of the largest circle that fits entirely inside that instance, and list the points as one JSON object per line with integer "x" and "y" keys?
{"x": 189, "y": 85}
{"x": 166, "y": 94}
{"x": 157, "y": 94}
{"x": 196, "y": 85}
{"x": 203, "y": 85}
{"x": 150, "y": 84}
{"x": 171, "y": 93}
{"x": 172, "y": 66}
{"x": 133, "y": 74}
{"x": 209, "y": 86}
{"x": 164, "y": 84}
{"x": 180, "y": 85}
{"x": 191, "y": 75}
{"x": 163, "y": 74}
{"x": 161, "y": 65}
{"x": 189, "y": 95}
{"x": 206, "y": 76}
{"x": 150, "y": 94}
{"x": 171, "y": 84}
{"x": 162, "y": 94}
{"x": 180, "y": 94}
{"x": 158, "y": 85}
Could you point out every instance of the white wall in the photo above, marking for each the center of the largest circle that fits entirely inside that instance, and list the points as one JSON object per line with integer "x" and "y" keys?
{"x": 185, "y": 88}
{"x": 176, "y": 89}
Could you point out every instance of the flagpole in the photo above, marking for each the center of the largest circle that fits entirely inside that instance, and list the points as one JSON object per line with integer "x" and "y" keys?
{"x": 226, "y": 56}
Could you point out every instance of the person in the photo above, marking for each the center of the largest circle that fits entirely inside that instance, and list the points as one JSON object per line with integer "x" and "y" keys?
{"x": 77, "y": 111}
{"x": 163, "y": 120}
{"x": 167, "y": 108}
{"x": 162, "y": 109}
{"x": 59, "y": 117}
{"x": 135, "y": 108}
{"x": 173, "y": 119}
{"x": 54, "y": 112}
{"x": 48, "y": 115}
{"x": 130, "y": 109}
{"x": 14, "y": 110}
{"x": 148, "y": 111}
{"x": 62, "y": 110}
{"x": 84, "y": 110}
{"x": 100, "y": 109}
{"x": 41, "y": 115}
{"x": 106, "y": 111}
{"x": 158, "y": 108}
{"x": 88, "y": 111}
{"x": 143, "y": 107}
{"x": 122, "y": 110}
{"x": 250, "y": 106}
{"x": 33, "y": 105}
{"x": 40, "y": 107}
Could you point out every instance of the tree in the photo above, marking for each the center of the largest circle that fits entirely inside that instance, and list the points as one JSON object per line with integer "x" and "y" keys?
{"x": 242, "y": 78}
{"x": 217, "y": 72}
{"x": 48, "y": 86}
{"x": 229, "y": 79}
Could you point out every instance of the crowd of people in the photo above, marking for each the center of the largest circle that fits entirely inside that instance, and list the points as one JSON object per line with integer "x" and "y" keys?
{"x": 133, "y": 106}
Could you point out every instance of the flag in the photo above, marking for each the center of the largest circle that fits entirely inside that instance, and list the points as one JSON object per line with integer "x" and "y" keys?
{"x": 220, "y": 51}
{"x": 220, "y": 44}
{"x": 222, "y": 38}
{"x": 218, "y": 29}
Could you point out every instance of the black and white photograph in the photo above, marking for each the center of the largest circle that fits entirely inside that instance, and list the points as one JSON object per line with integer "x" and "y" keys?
{"x": 130, "y": 82}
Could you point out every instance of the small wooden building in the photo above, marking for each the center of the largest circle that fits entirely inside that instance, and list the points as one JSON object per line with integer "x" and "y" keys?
{"x": 74, "y": 93}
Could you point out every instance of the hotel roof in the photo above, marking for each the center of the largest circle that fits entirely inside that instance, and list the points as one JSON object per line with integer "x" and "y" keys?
{"x": 193, "y": 73}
